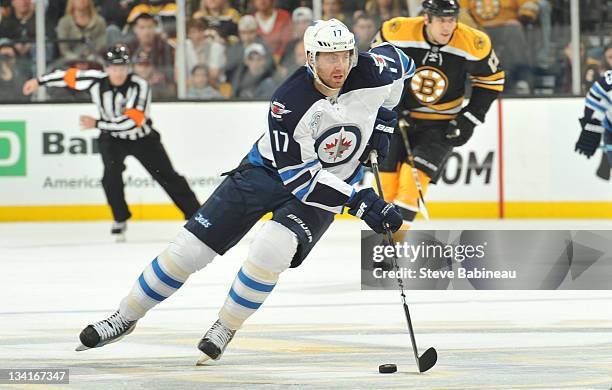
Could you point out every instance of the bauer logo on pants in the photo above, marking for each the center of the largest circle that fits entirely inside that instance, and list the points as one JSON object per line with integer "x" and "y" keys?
{"x": 12, "y": 149}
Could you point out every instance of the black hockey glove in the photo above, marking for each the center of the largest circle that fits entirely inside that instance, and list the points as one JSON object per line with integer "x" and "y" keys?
{"x": 461, "y": 128}
{"x": 386, "y": 120}
{"x": 373, "y": 210}
{"x": 588, "y": 142}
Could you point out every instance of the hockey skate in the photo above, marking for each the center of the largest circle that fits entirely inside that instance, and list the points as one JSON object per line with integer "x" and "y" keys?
{"x": 118, "y": 231}
{"x": 214, "y": 342}
{"x": 107, "y": 331}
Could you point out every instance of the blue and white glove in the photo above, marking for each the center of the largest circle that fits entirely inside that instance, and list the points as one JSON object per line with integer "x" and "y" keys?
{"x": 386, "y": 120}
{"x": 373, "y": 210}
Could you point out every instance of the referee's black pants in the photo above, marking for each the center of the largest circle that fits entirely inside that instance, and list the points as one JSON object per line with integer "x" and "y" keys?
{"x": 152, "y": 155}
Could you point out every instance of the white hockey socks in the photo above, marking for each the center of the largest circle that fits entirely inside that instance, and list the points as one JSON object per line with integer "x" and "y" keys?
{"x": 249, "y": 290}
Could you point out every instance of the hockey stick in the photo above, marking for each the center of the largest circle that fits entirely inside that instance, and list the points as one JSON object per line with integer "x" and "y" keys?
{"x": 429, "y": 358}
{"x": 402, "y": 128}
{"x": 603, "y": 171}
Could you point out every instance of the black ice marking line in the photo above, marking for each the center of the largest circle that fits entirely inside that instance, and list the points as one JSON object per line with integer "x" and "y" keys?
{"x": 430, "y": 356}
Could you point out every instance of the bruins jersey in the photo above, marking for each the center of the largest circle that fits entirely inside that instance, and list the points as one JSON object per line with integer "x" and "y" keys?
{"x": 490, "y": 13}
{"x": 436, "y": 92}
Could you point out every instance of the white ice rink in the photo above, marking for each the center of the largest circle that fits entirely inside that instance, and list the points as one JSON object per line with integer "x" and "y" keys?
{"x": 316, "y": 330}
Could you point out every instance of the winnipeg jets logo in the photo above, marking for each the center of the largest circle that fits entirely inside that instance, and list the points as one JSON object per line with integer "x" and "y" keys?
{"x": 338, "y": 145}
{"x": 336, "y": 148}
{"x": 277, "y": 110}
{"x": 379, "y": 62}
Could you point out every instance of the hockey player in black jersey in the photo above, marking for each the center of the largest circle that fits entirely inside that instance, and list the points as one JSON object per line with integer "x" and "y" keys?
{"x": 322, "y": 124}
{"x": 435, "y": 119}
{"x": 126, "y": 129}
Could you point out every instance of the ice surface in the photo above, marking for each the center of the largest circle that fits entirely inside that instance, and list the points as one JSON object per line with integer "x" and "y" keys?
{"x": 316, "y": 330}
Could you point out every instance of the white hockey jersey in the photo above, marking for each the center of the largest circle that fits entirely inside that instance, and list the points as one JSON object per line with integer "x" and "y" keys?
{"x": 314, "y": 142}
{"x": 598, "y": 105}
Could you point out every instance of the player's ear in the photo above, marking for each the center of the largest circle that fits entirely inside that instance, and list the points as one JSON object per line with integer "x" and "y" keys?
{"x": 426, "y": 19}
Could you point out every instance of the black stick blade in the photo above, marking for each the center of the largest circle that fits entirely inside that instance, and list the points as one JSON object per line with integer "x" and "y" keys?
{"x": 428, "y": 359}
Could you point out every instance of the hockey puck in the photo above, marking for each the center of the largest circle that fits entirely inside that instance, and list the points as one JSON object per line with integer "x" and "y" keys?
{"x": 387, "y": 368}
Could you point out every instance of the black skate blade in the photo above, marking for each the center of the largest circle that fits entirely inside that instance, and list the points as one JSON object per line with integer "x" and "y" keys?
{"x": 428, "y": 359}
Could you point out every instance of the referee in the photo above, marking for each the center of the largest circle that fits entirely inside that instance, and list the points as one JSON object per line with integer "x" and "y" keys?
{"x": 126, "y": 129}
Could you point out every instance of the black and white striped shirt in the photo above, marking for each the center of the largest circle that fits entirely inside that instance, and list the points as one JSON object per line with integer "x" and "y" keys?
{"x": 124, "y": 110}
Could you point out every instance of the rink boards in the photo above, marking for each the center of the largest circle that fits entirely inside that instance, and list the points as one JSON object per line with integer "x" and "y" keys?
{"x": 519, "y": 165}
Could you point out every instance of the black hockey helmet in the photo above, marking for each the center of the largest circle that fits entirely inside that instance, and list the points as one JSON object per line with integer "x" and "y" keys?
{"x": 441, "y": 7}
{"x": 117, "y": 55}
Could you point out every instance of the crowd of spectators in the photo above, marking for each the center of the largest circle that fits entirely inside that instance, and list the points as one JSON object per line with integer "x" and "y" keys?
{"x": 245, "y": 48}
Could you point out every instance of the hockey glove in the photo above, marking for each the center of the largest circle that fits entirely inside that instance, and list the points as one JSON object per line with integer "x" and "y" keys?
{"x": 461, "y": 128}
{"x": 588, "y": 142}
{"x": 386, "y": 120}
{"x": 373, "y": 210}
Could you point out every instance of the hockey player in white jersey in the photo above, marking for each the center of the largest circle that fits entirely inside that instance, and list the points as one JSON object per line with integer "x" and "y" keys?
{"x": 597, "y": 119}
{"x": 323, "y": 122}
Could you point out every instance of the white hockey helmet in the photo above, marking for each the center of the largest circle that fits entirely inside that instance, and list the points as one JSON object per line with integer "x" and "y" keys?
{"x": 328, "y": 36}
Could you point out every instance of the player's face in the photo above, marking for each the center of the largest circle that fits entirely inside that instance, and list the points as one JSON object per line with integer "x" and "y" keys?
{"x": 333, "y": 68}
{"x": 440, "y": 28}
{"x": 608, "y": 56}
{"x": 117, "y": 74}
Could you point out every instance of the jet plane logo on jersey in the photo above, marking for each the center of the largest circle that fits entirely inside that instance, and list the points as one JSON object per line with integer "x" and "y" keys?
{"x": 277, "y": 110}
{"x": 203, "y": 221}
{"x": 379, "y": 62}
{"x": 338, "y": 145}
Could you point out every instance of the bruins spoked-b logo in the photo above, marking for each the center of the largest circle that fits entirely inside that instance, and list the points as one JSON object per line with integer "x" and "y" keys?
{"x": 487, "y": 9}
{"x": 428, "y": 85}
{"x": 337, "y": 144}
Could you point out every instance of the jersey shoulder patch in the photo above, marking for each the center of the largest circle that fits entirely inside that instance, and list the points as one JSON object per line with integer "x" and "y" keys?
{"x": 403, "y": 29}
{"x": 287, "y": 106}
{"x": 371, "y": 72}
{"x": 470, "y": 43}
{"x": 606, "y": 80}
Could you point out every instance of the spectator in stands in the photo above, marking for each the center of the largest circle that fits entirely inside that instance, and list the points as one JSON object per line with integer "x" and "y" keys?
{"x": 81, "y": 21}
{"x": 206, "y": 46}
{"x": 161, "y": 86}
{"x": 332, "y": 9}
{"x": 5, "y": 9}
{"x": 11, "y": 79}
{"x": 20, "y": 27}
{"x": 382, "y": 10}
{"x": 219, "y": 12}
{"x": 199, "y": 88}
{"x": 504, "y": 24}
{"x": 163, "y": 11}
{"x": 302, "y": 18}
{"x": 55, "y": 11}
{"x": 588, "y": 66}
{"x": 364, "y": 28}
{"x": 292, "y": 61}
{"x": 253, "y": 79}
{"x": 115, "y": 13}
{"x": 274, "y": 26}
{"x": 247, "y": 34}
{"x": 147, "y": 40}
{"x": 606, "y": 61}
